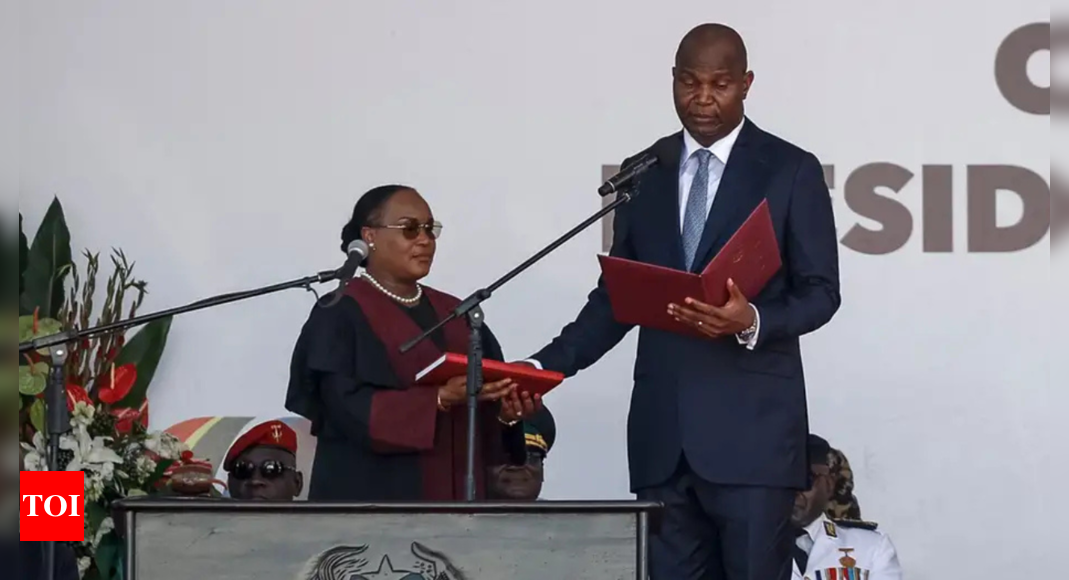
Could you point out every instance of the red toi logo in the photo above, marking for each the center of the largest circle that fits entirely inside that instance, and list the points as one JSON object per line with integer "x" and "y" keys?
{"x": 53, "y": 506}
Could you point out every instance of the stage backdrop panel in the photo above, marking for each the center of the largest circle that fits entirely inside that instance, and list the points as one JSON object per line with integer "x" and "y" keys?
{"x": 223, "y": 144}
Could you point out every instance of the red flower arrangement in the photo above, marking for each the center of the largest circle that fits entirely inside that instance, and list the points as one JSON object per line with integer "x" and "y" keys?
{"x": 107, "y": 380}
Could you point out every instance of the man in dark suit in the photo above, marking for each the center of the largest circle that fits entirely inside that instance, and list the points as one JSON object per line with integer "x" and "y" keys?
{"x": 717, "y": 428}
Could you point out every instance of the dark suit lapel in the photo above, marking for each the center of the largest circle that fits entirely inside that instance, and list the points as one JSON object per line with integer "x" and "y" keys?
{"x": 662, "y": 183}
{"x": 739, "y": 192}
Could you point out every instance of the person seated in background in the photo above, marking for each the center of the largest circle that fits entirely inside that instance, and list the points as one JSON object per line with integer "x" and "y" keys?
{"x": 380, "y": 435}
{"x": 827, "y": 548}
{"x": 524, "y": 482}
{"x": 262, "y": 464}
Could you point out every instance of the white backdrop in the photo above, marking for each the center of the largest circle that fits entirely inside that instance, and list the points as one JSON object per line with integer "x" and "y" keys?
{"x": 223, "y": 144}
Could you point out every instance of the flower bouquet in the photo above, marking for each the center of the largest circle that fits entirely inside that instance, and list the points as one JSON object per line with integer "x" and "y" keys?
{"x": 107, "y": 381}
{"x": 116, "y": 464}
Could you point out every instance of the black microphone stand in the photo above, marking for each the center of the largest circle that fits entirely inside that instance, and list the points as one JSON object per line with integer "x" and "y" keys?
{"x": 69, "y": 336}
{"x": 470, "y": 308}
{"x": 58, "y": 418}
{"x": 58, "y": 422}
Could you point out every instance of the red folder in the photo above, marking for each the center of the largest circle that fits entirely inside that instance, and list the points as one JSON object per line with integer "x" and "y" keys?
{"x": 527, "y": 378}
{"x": 640, "y": 293}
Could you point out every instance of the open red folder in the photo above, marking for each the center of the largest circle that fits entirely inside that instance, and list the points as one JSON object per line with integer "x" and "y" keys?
{"x": 640, "y": 293}
{"x": 527, "y": 378}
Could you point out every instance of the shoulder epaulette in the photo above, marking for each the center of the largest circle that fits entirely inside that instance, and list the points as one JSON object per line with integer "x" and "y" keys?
{"x": 857, "y": 524}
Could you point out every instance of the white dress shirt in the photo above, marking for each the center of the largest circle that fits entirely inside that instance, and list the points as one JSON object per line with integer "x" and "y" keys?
{"x": 688, "y": 168}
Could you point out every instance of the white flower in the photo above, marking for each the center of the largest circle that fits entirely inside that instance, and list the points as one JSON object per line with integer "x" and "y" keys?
{"x": 106, "y": 527}
{"x": 178, "y": 447}
{"x": 35, "y": 462}
{"x": 94, "y": 487}
{"x": 167, "y": 446}
{"x": 145, "y": 468}
{"x": 83, "y": 415}
{"x": 36, "y": 454}
{"x": 90, "y": 454}
{"x": 153, "y": 442}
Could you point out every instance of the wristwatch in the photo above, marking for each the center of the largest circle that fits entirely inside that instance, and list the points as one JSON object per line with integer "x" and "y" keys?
{"x": 747, "y": 334}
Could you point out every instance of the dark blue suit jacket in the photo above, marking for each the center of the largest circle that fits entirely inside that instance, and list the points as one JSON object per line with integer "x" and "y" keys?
{"x": 739, "y": 416}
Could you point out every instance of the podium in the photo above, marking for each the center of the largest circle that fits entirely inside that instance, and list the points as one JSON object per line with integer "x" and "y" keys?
{"x": 179, "y": 539}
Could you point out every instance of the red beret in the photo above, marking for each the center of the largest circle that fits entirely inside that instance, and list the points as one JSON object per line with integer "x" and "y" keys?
{"x": 271, "y": 434}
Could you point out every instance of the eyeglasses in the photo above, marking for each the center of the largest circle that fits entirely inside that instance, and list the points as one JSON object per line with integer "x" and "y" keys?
{"x": 269, "y": 469}
{"x": 410, "y": 229}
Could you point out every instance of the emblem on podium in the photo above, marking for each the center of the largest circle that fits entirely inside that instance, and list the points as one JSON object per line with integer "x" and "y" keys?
{"x": 353, "y": 563}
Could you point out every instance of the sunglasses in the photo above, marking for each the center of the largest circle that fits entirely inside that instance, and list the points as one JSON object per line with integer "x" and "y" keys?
{"x": 269, "y": 469}
{"x": 411, "y": 229}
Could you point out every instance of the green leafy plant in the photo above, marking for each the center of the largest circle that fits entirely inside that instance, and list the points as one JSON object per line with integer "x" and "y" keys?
{"x": 107, "y": 380}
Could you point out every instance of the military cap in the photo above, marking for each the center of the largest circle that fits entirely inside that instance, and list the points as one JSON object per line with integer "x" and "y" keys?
{"x": 540, "y": 431}
{"x": 818, "y": 450}
{"x": 270, "y": 434}
{"x": 843, "y": 504}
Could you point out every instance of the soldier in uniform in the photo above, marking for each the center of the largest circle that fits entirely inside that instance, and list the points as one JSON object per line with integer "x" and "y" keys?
{"x": 828, "y": 549}
{"x": 262, "y": 464}
{"x": 524, "y": 482}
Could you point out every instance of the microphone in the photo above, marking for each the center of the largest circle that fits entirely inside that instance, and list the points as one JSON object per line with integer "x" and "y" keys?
{"x": 357, "y": 251}
{"x": 631, "y": 171}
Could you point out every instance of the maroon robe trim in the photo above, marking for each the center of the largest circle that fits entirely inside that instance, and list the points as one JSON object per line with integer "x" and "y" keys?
{"x": 407, "y": 419}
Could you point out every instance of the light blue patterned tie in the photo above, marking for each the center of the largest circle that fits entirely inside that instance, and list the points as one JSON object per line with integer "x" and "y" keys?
{"x": 697, "y": 201}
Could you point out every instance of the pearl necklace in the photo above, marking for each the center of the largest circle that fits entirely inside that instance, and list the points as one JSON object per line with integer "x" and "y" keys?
{"x": 406, "y": 301}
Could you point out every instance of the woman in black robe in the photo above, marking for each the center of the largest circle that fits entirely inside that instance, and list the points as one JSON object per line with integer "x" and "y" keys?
{"x": 381, "y": 437}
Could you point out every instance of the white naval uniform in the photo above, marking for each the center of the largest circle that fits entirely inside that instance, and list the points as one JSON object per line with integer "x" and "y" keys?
{"x": 872, "y": 551}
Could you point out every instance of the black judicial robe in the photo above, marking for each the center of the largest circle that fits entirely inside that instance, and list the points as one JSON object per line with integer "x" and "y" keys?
{"x": 379, "y": 436}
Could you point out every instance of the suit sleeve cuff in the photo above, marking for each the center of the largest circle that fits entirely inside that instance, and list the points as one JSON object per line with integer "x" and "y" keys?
{"x": 749, "y": 340}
